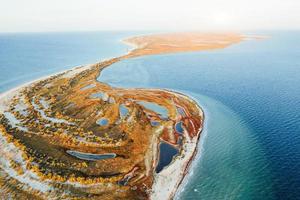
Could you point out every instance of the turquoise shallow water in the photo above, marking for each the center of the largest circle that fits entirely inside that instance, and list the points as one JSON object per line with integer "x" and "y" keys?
{"x": 251, "y": 96}
{"x": 250, "y": 148}
{"x": 230, "y": 163}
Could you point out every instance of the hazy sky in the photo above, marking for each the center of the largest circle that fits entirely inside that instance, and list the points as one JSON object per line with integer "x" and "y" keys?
{"x": 80, "y": 15}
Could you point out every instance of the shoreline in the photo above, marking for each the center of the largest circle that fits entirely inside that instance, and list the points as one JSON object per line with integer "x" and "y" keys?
{"x": 7, "y": 95}
{"x": 185, "y": 166}
{"x": 160, "y": 188}
{"x": 197, "y": 156}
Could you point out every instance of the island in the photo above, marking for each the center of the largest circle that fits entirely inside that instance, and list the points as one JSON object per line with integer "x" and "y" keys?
{"x": 69, "y": 136}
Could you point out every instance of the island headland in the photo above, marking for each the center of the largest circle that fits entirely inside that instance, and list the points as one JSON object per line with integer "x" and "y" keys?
{"x": 69, "y": 136}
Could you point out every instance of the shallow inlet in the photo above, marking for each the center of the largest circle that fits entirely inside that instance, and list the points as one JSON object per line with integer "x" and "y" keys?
{"x": 166, "y": 155}
{"x": 90, "y": 156}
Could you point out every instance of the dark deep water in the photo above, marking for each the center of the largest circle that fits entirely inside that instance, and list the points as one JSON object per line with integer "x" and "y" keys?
{"x": 250, "y": 148}
{"x": 166, "y": 154}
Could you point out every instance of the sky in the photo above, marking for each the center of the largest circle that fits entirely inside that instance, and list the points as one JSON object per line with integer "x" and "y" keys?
{"x": 85, "y": 15}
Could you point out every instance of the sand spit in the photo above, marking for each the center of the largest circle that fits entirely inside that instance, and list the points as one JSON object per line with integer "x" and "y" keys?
{"x": 166, "y": 182}
{"x": 180, "y": 42}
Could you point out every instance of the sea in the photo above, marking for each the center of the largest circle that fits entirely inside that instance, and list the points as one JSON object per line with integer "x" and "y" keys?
{"x": 250, "y": 94}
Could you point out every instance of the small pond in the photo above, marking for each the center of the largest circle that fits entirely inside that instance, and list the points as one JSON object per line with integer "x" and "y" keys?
{"x": 154, "y": 123}
{"x": 166, "y": 155}
{"x": 161, "y": 110}
{"x": 178, "y": 127}
{"x": 90, "y": 156}
{"x": 102, "y": 122}
{"x": 123, "y": 110}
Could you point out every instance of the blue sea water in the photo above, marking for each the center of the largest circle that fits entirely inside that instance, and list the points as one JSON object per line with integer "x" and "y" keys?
{"x": 250, "y": 146}
{"x": 27, "y": 56}
{"x": 250, "y": 93}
